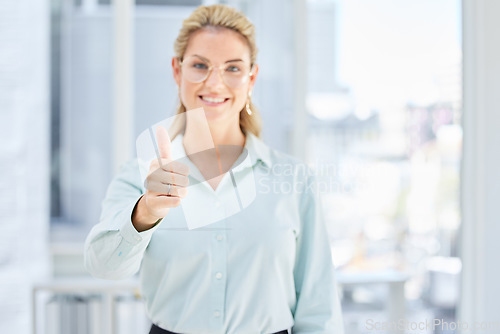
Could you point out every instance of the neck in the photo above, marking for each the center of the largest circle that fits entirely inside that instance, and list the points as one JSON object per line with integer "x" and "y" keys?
{"x": 221, "y": 134}
{"x": 227, "y": 135}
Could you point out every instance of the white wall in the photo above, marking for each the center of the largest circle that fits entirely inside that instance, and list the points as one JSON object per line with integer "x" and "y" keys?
{"x": 481, "y": 163}
{"x": 24, "y": 157}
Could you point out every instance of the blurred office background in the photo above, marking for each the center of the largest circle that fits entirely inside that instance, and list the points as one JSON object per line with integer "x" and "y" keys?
{"x": 393, "y": 103}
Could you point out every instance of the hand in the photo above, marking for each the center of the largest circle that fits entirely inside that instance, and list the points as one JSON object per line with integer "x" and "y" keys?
{"x": 165, "y": 185}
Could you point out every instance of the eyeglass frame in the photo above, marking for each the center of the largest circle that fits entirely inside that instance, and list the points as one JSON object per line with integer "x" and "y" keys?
{"x": 211, "y": 67}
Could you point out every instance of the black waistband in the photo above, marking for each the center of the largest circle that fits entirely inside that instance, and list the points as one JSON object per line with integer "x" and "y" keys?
{"x": 157, "y": 330}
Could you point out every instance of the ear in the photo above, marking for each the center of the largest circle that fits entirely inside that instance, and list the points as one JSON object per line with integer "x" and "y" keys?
{"x": 253, "y": 77}
{"x": 176, "y": 69}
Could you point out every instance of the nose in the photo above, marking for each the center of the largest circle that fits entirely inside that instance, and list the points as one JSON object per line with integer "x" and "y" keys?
{"x": 214, "y": 78}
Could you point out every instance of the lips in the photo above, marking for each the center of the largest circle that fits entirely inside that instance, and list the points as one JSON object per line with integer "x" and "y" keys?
{"x": 213, "y": 101}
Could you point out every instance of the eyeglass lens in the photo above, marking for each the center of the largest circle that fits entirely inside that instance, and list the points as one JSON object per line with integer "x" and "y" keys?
{"x": 234, "y": 74}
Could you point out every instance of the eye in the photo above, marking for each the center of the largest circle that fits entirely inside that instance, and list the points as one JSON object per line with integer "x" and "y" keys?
{"x": 233, "y": 68}
{"x": 200, "y": 66}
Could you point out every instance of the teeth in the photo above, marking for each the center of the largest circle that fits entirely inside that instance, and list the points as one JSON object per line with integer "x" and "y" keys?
{"x": 213, "y": 100}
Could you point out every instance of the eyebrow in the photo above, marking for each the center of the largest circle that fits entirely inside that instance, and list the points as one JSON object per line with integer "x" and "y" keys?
{"x": 233, "y": 60}
{"x": 228, "y": 61}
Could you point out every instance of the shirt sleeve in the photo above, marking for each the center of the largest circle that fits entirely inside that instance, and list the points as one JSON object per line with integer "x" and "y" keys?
{"x": 114, "y": 248}
{"x": 317, "y": 308}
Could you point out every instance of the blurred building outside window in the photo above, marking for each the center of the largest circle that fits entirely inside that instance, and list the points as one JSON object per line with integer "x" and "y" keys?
{"x": 384, "y": 103}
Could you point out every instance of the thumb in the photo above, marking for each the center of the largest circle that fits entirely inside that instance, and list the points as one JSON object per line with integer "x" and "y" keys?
{"x": 163, "y": 141}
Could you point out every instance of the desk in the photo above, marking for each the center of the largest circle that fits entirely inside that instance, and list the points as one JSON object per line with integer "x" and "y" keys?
{"x": 394, "y": 279}
{"x": 108, "y": 289}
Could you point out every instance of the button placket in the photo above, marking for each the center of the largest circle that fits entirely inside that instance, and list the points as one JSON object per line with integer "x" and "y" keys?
{"x": 219, "y": 272}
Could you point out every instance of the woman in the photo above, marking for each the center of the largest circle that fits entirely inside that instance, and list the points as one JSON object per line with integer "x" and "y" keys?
{"x": 264, "y": 269}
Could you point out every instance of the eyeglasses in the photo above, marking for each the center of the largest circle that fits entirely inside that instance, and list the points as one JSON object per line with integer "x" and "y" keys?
{"x": 234, "y": 74}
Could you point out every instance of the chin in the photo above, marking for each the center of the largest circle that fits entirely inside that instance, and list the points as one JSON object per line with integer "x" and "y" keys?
{"x": 217, "y": 118}
{"x": 215, "y": 113}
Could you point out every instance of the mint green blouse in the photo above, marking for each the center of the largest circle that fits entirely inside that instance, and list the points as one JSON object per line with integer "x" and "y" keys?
{"x": 261, "y": 268}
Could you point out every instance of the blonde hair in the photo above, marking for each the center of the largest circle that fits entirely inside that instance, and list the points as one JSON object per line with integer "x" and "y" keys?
{"x": 221, "y": 16}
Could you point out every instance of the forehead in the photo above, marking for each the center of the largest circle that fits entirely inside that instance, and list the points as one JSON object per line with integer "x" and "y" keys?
{"x": 218, "y": 45}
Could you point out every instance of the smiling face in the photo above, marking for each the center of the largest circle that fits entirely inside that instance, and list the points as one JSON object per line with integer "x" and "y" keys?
{"x": 228, "y": 52}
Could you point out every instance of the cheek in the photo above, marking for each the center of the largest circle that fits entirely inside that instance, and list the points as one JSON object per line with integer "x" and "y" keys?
{"x": 187, "y": 93}
{"x": 240, "y": 96}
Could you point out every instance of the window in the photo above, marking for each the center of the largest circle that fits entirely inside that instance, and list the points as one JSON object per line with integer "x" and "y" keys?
{"x": 384, "y": 105}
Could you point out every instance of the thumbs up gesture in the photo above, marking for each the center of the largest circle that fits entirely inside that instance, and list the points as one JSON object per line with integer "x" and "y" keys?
{"x": 165, "y": 185}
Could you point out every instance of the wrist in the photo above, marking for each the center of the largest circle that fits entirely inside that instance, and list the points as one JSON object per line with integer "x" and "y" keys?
{"x": 142, "y": 219}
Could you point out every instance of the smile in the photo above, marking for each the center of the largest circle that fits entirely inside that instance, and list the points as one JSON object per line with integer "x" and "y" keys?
{"x": 213, "y": 100}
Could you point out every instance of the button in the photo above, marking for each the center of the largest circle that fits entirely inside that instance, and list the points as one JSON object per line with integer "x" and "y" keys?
{"x": 218, "y": 275}
{"x": 216, "y": 314}
{"x": 138, "y": 238}
{"x": 217, "y": 204}
{"x": 220, "y": 237}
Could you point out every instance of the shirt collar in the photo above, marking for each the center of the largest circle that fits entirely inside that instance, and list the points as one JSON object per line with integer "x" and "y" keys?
{"x": 258, "y": 150}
